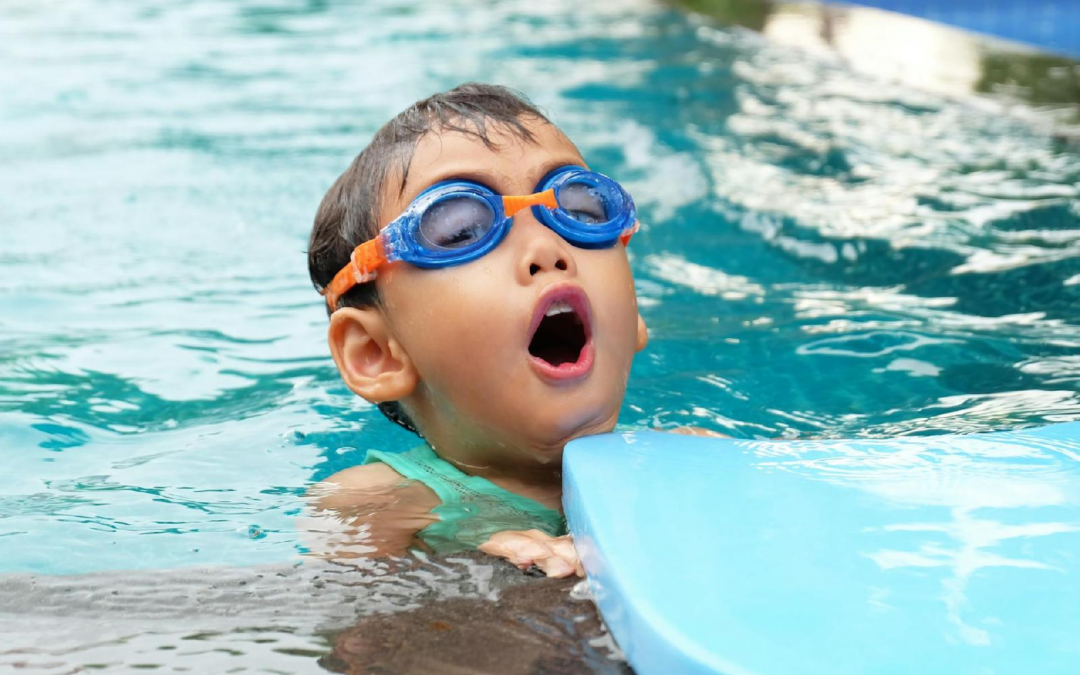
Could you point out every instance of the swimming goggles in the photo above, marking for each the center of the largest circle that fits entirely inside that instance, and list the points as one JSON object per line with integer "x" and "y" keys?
{"x": 456, "y": 221}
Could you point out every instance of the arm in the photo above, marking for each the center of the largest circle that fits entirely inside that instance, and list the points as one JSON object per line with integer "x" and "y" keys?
{"x": 368, "y": 511}
{"x": 372, "y": 511}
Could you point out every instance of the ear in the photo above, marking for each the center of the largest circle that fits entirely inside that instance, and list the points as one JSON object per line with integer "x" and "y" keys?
{"x": 371, "y": 361}
{"x": 642, "y": 333}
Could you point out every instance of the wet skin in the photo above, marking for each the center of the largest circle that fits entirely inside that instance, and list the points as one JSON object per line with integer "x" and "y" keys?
{"x": 452, "y": 344}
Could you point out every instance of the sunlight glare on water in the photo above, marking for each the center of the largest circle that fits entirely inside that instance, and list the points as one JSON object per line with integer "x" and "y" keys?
{"x": 821, "y": 254}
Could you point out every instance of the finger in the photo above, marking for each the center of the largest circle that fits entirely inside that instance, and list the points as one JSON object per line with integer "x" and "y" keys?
{"x": 529, "y": 549}
{"x": 519, "y": 550}
{"x": 556, "y": 567}
{"x": 564, "y": 548}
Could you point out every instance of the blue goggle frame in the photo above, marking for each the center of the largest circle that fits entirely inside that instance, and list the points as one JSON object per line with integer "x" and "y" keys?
{"x": 402, "y": 239}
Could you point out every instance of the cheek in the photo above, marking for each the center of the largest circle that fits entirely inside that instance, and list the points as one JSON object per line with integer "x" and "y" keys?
{"x": 452, "y": 324}
{"x": 616, "y": 309}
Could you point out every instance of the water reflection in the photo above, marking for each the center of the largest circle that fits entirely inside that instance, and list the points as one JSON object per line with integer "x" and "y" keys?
{"x": 464, "y": 612}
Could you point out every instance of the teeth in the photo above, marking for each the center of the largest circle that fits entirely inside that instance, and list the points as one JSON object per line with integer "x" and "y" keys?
{"x": 558, "y": 307}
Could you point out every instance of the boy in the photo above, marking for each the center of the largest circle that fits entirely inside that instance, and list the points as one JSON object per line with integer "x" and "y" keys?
{"x": 479, "y": 293}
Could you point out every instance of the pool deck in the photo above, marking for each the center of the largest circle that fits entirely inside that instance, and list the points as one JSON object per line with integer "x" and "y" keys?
{"x": 1052, "y": 25}
{"x": 1037, "y": 70}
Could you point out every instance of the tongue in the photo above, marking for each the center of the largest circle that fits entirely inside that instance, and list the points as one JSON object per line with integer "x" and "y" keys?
{"x": 558, "y": 339}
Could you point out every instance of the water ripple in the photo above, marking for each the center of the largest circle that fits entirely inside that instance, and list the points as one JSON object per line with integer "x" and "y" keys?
{"x": 823, "y": 252}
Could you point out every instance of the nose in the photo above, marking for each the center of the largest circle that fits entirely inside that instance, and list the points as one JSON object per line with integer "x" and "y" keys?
{"x": 543, "y": 252}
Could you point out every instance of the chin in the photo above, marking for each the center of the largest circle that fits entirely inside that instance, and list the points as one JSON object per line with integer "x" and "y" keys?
{"x": 548, "y": 455}
{"x": 560, "y": 429}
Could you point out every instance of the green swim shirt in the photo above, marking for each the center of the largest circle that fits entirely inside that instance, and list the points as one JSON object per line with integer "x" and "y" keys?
{"x": 472, "y": 508}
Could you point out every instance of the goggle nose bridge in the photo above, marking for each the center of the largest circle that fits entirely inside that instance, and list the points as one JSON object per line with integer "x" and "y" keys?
{"x": 513, "y": 204}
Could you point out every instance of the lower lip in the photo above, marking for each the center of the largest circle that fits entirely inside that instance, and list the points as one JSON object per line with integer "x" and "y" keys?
{"x": 567, "y": 371}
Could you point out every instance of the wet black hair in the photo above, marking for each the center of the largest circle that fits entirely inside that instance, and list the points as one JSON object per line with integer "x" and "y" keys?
{"x": 349, "y": 213}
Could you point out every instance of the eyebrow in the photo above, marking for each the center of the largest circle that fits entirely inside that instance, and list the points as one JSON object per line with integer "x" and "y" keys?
{"x": 489, "y": 179}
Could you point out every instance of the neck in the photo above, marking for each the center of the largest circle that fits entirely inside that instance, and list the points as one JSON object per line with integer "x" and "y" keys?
{"x": 511, "y": 468}
{"x": 530, "y": 471}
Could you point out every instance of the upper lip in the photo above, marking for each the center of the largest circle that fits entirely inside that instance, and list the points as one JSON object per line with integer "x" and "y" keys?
{"x": 570, "y": 294}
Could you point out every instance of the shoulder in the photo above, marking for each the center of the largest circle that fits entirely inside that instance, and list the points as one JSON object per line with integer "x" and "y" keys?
{"x": 368, "y": 510}
{"x": 371, "y": 485}
{"x": 372, "y": 475}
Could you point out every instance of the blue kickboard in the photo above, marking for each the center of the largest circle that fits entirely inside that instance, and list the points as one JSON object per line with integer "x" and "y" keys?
{"x": 950, "y": 555}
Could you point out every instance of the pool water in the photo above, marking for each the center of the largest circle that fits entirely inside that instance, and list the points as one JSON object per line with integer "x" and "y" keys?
{"x": 823, "y": 253}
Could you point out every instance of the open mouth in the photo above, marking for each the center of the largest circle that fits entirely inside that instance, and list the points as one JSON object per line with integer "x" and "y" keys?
{"x": 560, "y": 344}
{"x": 560, "y": 337}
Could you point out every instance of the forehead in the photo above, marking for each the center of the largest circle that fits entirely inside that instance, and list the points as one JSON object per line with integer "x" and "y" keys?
{"x": 512, "y": 165}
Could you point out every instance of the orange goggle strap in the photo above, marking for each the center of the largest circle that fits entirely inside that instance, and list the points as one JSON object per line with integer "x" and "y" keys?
{"x": 512, "y": 205}
{"x": 363, "y": 266}
{"x": 629, "y": 232}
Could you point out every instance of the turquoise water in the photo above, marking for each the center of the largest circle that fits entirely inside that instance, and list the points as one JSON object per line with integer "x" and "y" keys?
{"x": 823, "y": 254}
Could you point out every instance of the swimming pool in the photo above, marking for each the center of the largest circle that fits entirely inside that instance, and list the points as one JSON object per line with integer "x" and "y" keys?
{"x": 825, "y": 253}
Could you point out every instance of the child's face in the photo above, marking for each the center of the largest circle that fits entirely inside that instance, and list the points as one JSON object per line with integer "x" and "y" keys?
{"x": 467, "y": 328}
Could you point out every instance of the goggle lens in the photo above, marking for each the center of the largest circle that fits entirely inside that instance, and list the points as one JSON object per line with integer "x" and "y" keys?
{"x": 590, "y": 199}
{"x": 584, "y": 202}
{"x": 454, "y": 222}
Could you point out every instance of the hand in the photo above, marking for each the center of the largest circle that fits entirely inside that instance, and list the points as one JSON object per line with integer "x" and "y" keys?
{"x": 555, "y": 556}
